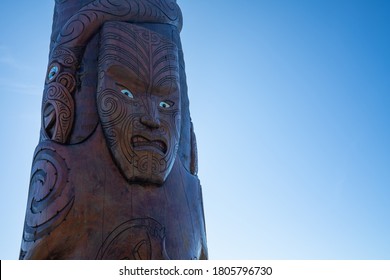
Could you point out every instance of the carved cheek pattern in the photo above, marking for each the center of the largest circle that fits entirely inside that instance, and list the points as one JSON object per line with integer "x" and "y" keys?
{"x": 112, "y": 114}
{"x": 118, "y": 125}
{"x": 173, "y": 134}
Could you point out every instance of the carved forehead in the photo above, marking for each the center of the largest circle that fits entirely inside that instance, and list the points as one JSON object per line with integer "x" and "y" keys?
{"x": 144, "y": 54}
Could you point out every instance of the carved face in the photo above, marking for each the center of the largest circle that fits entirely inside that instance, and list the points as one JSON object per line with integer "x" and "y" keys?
{"x": 139, "y": 100}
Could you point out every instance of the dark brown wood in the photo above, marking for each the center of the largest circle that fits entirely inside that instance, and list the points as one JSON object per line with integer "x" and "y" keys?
{"x": 114, "y": 175}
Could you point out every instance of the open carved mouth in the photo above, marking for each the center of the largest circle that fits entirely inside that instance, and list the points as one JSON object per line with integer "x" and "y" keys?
{"x": 142, "y": 142}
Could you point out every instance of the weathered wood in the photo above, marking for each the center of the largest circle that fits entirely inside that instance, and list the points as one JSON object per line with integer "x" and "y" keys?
{"x": 114, "y": 175}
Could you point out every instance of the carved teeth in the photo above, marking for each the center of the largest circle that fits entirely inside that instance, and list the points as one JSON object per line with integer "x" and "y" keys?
{"x": 140, "y": 141}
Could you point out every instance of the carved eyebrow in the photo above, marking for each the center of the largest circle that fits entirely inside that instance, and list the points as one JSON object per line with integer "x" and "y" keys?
{"x": 126, "y": 78}
{"x": 166, "y": 87}
{"x": 134, "y": 85}
{"x": 123, "y": 86}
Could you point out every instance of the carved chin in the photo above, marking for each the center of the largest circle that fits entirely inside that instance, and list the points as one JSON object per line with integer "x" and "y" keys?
{"x": 149, "y": 166}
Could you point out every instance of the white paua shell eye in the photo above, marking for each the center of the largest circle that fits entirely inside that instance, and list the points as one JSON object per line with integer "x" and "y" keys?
{"x": 166, "y": 104}
{"x": 127, "y": 92}
{"x": 53, "y": 71}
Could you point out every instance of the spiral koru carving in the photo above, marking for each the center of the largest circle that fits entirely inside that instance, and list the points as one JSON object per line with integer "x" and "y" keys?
{"x": 50, "y": 198}
{"x": 137, "y": 239}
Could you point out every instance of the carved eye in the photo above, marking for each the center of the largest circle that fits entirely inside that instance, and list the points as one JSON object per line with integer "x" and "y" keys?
{"x": 127, "y": 92}
{"x": 166, "y": 104}
{"x": 53, "y": 71}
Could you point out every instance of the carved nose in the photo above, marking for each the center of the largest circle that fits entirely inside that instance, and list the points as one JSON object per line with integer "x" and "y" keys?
{"x": 150, "y": 121}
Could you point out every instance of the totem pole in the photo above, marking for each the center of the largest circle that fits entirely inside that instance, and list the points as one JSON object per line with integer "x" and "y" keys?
{"x": 114, "y": 175}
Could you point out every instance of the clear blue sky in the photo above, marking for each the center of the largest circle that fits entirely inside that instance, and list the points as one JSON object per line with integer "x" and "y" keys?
{"x": 291, "y": 106}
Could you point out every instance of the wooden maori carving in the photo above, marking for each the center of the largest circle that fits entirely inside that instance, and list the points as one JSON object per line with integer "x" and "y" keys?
{"x": 114, "y": 175}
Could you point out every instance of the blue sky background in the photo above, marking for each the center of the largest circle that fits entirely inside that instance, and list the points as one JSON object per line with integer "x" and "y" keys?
{"x": 291, "y": 106}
